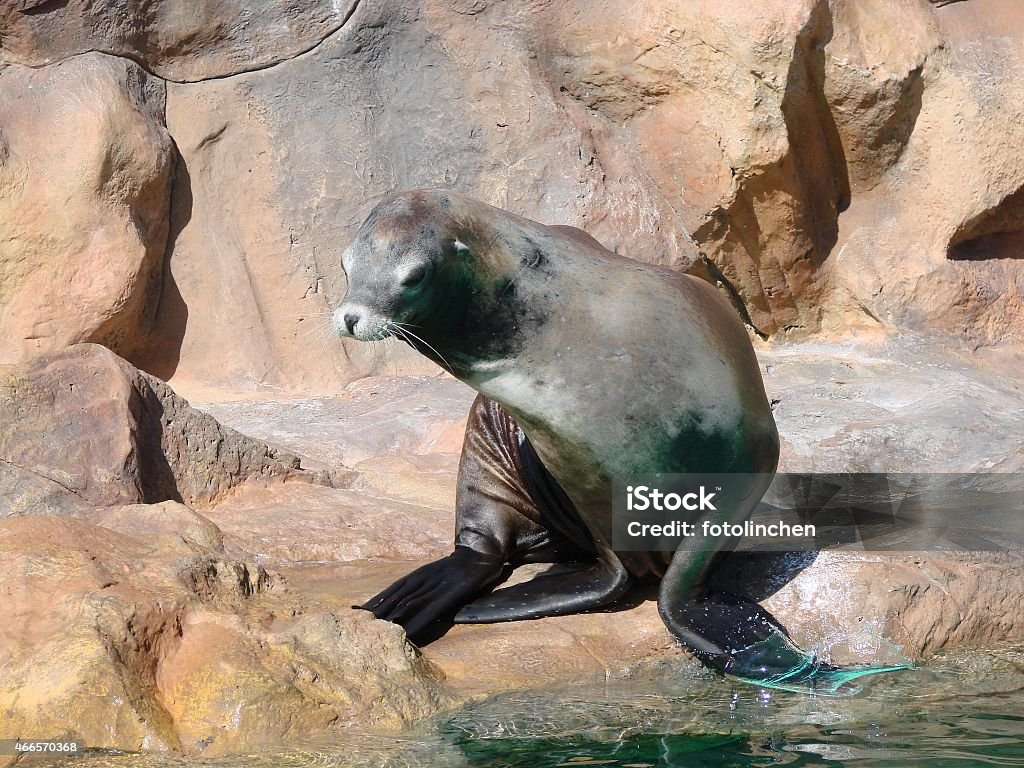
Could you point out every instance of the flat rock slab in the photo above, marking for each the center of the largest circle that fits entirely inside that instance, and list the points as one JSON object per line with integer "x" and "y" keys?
{"x": 372, "y": 417}
{"x": 899, "y": 405}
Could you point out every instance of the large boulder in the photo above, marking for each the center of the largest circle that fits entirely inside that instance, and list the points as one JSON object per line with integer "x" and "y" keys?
{"x": 85, "y": 179}
{"x": 797, "y": 154}
{"x": 133, "y": 629}
{"x": 82, "y": 427}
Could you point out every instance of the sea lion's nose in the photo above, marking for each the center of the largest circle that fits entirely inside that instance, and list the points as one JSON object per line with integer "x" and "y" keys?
{"x": 350, "y": 319}
{"x": 346, "y": 318}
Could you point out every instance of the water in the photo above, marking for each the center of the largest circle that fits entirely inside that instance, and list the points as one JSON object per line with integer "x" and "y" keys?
{"x": 960, "y": 709}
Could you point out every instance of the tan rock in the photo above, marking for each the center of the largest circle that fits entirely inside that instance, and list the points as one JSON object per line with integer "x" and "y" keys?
{"x": 226, "y": 689}
{"x": 846, "y": 163}
{"x": 857, "y": 606}
{"x": 139, "y": 639}
{"x": 874, "y": 81}
{"x": 370, "y": 418}
{"x": 82, "y": 425}
{"x": 83, "y": 219}
{"x": 299, "y": 522}
{"x": 935, "y": 244}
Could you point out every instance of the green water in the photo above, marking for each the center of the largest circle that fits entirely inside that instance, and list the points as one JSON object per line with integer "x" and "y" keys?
{"x": 963, "y": 709}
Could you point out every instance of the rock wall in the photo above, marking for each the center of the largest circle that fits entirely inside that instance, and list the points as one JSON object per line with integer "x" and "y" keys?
{"x": 832, "y": 165}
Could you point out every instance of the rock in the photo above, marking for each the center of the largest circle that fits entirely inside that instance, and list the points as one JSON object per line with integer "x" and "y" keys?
{"x": 83, "y": 427}
{"x": 321, "y": 673}
{"x": 486, "y": 658}
{"x": 216, "y": 38}
{"x": 797, "y": 154}
{"x": 929, "y": 248}
{"x": 167, "y": 518}
{"x": 788, "y": 152}
{"x": 854, "y": 607}
{"x": 85, "y": 179}
{"x": 231, "y": 627}
{"x": 874, "y": 81}
{"x": 904, "y": 404}
{"x": 298, "y": 522}
{"x": 370, "y": 418}
{"x": 111, "y": 637}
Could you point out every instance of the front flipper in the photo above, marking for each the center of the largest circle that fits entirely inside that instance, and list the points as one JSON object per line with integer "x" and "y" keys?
{"x": 433, "y": 592}
{"x": 740, "y": 638}
{"x": 563, "y": 589}
{"x": 732, "y": 633}
{"x": 776, "y": 662}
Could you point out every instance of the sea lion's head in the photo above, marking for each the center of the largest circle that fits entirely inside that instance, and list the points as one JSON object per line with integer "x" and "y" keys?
{"x": 437, "y": 270}
{"x": 400, "y": 263}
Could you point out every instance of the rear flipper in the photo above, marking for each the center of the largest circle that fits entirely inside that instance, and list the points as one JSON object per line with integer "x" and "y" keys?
{"x": 563, "y": 589}
{"x": 433, "y": 592}
{"x": 741, "y": 639}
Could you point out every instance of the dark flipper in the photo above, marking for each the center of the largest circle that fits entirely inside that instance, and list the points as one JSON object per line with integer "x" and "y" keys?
{"x": 740, "y": 638}
{"x": 435, "y": 591}
{"x": 563, "y": 589}
{"x": 734, "y": 634}
{"x": 759, "y": 664}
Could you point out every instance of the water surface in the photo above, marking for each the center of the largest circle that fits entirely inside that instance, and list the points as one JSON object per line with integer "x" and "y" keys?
{"x": 960, "y": 709}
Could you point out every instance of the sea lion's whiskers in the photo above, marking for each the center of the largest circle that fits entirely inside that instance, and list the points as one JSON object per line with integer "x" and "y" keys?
{"x": 400, "y": 327}
{"x": 323, "y": 325}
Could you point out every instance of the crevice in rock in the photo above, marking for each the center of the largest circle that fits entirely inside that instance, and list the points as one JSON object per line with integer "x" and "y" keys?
{"x": 775, "y": 234}
{"x": 161, "y": 352}
{"x": 718, "y": 278}
{"x": 815, "y": 143}
{"x": 39, "y": 8}
{"x": 137, "y": 644}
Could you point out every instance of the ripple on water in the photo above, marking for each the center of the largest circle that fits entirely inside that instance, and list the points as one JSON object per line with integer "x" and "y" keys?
{"x": 961, "y": 709}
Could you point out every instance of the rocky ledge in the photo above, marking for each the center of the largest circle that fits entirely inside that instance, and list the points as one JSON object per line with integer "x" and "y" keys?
{"x": 172, "y": 584}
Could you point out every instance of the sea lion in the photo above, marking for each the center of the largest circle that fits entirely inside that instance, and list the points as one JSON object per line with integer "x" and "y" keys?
{"x": 589, "y": 366}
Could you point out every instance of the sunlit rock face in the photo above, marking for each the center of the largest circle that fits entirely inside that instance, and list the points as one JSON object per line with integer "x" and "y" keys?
{"x": 830, "y": 165}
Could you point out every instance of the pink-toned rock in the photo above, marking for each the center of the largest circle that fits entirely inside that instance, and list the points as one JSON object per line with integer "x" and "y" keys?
{"x": 800, "y": 155}
{"x": 85, "y": 176}
{"x": 214, "y": 38}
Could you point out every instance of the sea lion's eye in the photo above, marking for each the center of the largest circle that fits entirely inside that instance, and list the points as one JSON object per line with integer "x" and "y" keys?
{"x": 415, "y": 276}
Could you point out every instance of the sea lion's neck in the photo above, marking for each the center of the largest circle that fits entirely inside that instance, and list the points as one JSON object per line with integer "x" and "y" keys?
{"x": 510, "y": 301}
